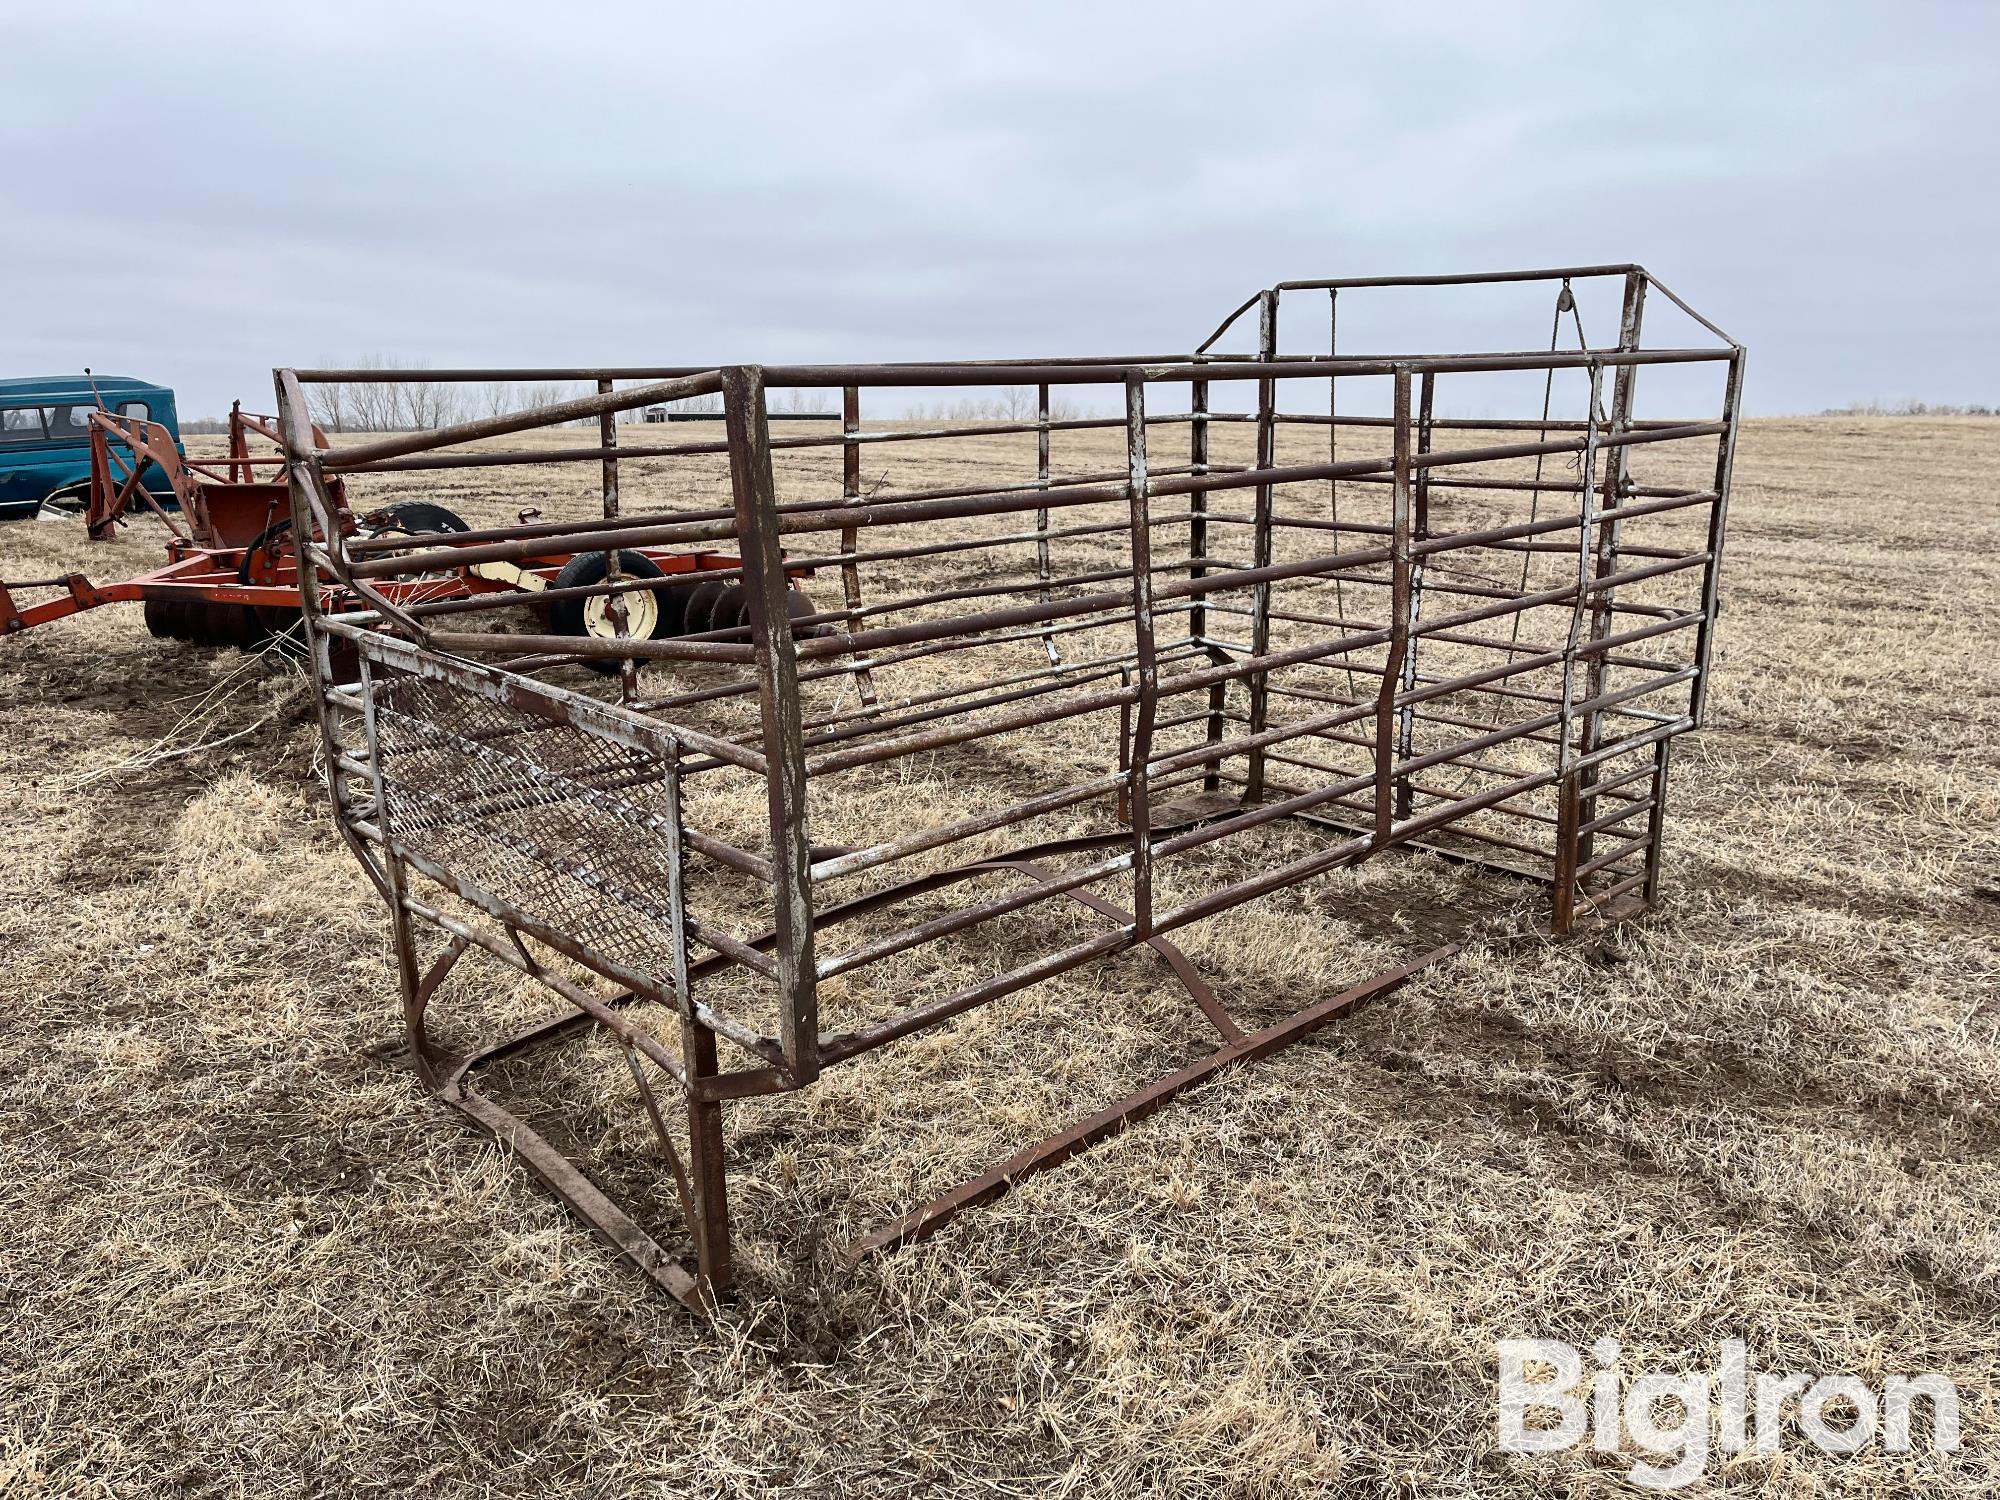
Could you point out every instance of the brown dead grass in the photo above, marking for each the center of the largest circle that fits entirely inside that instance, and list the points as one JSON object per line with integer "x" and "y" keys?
{"x": 242, "y": 1256}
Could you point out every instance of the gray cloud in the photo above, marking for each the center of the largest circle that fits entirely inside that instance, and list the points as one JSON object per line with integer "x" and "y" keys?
{"x": 194, "y": 197}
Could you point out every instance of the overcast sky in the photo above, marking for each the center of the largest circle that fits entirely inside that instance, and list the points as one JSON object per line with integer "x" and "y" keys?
{"x": 193, "y": 194}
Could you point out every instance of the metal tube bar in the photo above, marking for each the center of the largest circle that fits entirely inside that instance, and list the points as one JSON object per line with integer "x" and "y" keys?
{"x": 778, "y": 703}
{"x": 822, "y": 517}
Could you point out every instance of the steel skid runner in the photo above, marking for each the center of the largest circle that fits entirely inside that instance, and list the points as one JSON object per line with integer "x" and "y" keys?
{"x": 1458, "y": 602}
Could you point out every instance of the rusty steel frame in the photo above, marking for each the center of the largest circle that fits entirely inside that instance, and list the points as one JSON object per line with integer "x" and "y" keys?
{"x": 1524, "y": 727}
{"x": 224, "y": 506}
{"x": 205, "y": 592}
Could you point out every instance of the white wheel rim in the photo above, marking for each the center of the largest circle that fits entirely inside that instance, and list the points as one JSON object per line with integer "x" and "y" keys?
{"x": 642, "y": 613}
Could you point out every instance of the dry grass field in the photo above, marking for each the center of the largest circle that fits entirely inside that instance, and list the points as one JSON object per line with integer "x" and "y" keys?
{"x": 241, "y": 1255}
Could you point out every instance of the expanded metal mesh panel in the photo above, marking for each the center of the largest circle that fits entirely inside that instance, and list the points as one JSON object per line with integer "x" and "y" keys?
{"x": 566, "y": 826}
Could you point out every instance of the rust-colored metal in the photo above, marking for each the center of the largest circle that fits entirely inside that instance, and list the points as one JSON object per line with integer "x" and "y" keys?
{"x": 1475, "y": 635}
{"x": 231, "y": 574}
{"x": 212, "y": 588}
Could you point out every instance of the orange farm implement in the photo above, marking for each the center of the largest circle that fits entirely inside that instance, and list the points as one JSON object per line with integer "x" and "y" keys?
{"x": 231, "y": 572}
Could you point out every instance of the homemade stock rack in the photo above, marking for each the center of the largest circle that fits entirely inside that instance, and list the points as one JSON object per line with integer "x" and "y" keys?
{"x": 1303, "y": 591}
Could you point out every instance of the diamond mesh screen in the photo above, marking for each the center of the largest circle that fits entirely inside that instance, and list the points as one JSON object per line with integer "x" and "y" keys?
{"x": 567, "y": 826}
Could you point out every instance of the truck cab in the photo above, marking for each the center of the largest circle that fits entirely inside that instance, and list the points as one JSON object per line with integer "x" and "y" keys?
{"x": 45, "y": 435}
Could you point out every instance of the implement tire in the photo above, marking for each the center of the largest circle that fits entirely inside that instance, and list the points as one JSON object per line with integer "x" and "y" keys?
{"x": 648, "y": 617}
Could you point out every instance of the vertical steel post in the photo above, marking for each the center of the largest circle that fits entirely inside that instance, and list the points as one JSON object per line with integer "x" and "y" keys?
{"x": 1260, "y": 592}
{"x": 1711, "y": 606}
{"x": 1569, "y": 808}
{"x": 607, "y": 432}
{"x": 755, "y": 497}
{"x": 295, "y": 429}
{"x": 1597, "y": 676}
{"x": 1044, "y": 564}
{"x": 616, "y": 604}
{"x": 1586, "y": 552}
{"x": 1567, "y": 816}
{"x": 850, "y": 493}
{"x": 1718, "y": 518}
{"x": 1399, "y": 615}
{"x": 1218, "y": 696}
{"x": 1333, "y": 408}
{"x": 1197, "y": 504}
{"x": 1145, "y": 660}
{"x": 707, "y": 1174}
{"x": 1656, "y": 823}
{"x": 1406, "y": 726}
{"x": 409, "y": 978}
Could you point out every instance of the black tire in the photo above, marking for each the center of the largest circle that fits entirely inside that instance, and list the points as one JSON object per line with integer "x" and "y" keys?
{"x": 161, "y": 619}
{"x": 588, "y": 617}
{"x": 412, "y": 518}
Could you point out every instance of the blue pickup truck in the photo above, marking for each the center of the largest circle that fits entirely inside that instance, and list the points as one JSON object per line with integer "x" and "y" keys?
{"x": 45, "y": 435}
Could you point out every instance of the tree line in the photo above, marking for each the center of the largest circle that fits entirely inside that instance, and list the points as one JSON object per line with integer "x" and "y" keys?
{"x": 413, "y": 404}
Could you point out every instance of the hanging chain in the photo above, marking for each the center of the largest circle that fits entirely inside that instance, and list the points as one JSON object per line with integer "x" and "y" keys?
{"x": 1565, "y": 303}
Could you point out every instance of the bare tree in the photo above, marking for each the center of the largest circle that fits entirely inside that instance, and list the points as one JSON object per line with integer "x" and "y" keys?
{"x": 496, "y": 398}
{"x": 547, "y": 393}
{"x": 1014, "y": 403}
{"x": 371, "y": 405}
{"x": 792, "y": 400}
{"x": 328, "y": 407}
{"x": 328, "y": 403}
{"x": 387, "y": 405}
{"x": 425, "y": 405}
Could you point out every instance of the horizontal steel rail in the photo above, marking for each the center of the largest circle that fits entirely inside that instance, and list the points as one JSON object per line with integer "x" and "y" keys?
{"x": 1475, "y": 636}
